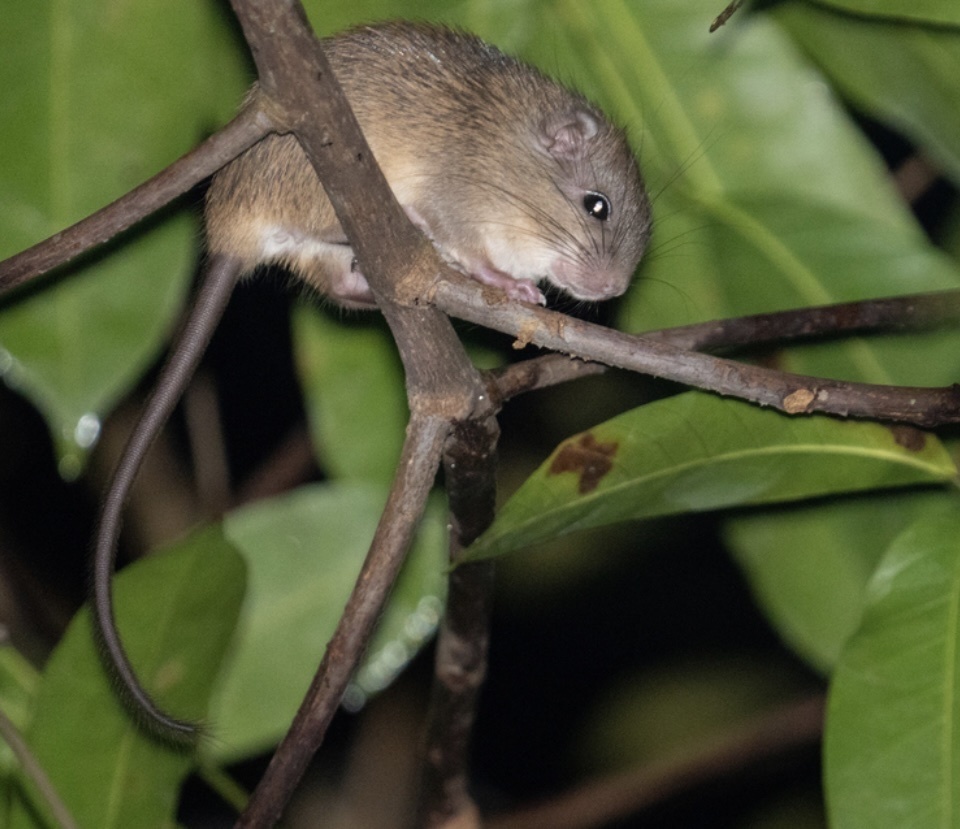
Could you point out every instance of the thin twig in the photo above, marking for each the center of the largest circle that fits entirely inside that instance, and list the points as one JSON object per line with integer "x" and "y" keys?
{"x": 35, "y": 772}
{"x": 540, "y": 373}
{"x": 791, "y": 393}
{"x": 911, "y": 312}
{"x": 598, "y": 803}
{"x": 246, "y": 129}
{"x": 419, "y": 462}
{"x": 914, "y": 177}
{"x": 725, "y": 15}
{"x": 291, "y": 463}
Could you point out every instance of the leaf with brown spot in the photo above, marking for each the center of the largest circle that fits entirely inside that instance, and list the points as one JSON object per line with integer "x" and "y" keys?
{"x": 697, "y": 452}
{"x": 585, "y": 457}
{"x": 908, "y": 437}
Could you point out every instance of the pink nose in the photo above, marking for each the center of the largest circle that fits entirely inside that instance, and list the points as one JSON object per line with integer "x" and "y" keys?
{"x": 583, "y": 282}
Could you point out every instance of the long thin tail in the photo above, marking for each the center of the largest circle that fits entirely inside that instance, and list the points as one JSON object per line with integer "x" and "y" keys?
{"x": 219, "y": 280}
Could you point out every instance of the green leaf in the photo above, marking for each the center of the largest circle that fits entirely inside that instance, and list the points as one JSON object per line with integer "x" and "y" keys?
{"x": 892, "y": 749}
{"x": 808, "y": 565}
{"x": 766, "y": 195}
{"x": 176, "y": 612}
{"x": 75, "y": 374}
{"x": 697, "y": 452}
{"x": 916, "y": 86}
{"x": 102, "y": 96}
{"x": 353, "y": 388}
{"x": 304, "y": 551}
{"x": 934, "y": 12}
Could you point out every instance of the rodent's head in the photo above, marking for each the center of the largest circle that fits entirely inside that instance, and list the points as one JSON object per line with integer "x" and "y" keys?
{"x": 609, "y": 212}
{"x": 574, "y": 211}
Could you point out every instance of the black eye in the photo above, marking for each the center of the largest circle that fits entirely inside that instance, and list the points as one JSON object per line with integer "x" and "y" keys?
{"x": 597, "y": 205}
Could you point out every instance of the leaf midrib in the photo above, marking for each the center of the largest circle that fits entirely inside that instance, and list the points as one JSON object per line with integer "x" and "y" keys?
{"x": 937, "y": 473}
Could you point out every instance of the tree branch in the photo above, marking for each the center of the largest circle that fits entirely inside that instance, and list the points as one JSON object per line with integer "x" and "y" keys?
{"x": 462, "y": 644}
{"x": 399, "y": 264}
{"x": 791, "y": 393}
{"x": 249, "y": 126}
{"x": 415, "y": 473}
{"x": 396, "y": 259}
{"x": 903, "y": 313}
{"x": 912, "y": 312}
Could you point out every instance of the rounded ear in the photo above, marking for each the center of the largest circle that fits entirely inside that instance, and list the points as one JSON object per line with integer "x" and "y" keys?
{"x": 565, "y": 134}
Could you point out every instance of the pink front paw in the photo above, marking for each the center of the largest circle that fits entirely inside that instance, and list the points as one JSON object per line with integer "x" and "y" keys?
{"x": 523, "y": 290}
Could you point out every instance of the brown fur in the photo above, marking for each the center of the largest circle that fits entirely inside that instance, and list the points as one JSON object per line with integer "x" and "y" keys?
{"x": 459, "y": 130}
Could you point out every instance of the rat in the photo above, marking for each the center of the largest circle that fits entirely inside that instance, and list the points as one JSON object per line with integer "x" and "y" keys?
{"x": 514, "y": 178}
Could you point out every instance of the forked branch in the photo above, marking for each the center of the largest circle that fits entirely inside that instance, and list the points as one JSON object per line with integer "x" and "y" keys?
{"x": 418, "y": 465}
{"x": 299, "y": 94}
{"x": 442, "y": 384}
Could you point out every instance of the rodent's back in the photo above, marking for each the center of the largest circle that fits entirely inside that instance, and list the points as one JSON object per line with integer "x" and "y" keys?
{"x": 469, "y": 85}
{"x": 416, "y": 91}
{"x": 445, "y": 98}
